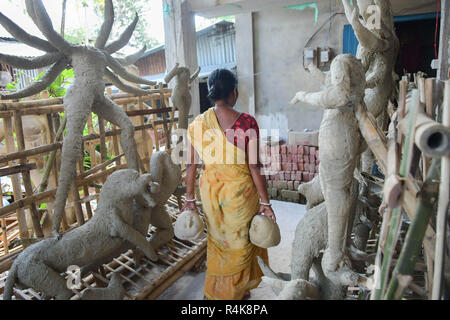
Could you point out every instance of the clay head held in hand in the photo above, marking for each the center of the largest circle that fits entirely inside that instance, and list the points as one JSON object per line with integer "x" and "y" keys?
{"x": 39, "y": 266}
{"x": 189, "y": 226}
{"x": 91, "y": 65}
{"x": 264, "y": 232}
{"x": 181, "y": 96}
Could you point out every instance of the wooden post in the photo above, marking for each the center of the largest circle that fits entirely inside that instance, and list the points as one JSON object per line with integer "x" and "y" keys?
{"x": 26, "y": 174}
{"x": 17, "y": 190}
{"x": 443, "y": 71}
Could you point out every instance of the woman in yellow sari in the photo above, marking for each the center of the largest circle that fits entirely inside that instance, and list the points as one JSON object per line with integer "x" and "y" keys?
{"x": 232, "y": 190}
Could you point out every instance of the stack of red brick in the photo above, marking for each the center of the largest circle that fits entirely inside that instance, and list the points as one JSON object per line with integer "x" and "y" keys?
{"x": 287, "y": 166}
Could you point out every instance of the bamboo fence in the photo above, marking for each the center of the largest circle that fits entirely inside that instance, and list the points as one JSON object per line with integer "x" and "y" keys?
{"x": 411, "y": 243}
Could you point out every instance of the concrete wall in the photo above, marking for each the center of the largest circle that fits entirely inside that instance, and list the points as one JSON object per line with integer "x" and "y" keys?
{"x": 277, "y": 40}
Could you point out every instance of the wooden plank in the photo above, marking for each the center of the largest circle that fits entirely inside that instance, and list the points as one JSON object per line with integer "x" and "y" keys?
{"x": 17, "y": 169}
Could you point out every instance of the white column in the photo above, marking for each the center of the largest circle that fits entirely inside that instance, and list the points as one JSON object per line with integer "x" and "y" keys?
{"x": 245, "y": 62}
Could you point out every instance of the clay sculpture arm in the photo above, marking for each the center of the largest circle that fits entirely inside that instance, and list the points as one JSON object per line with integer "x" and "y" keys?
{"x": 30, "y": 63}
{"x": 124, "y": 37}
{"x": 20, "y": 35}
{"x": 39, "y": 85}
{"x": 120, "y": 70}
{"x": 44, "y": 24}
{"x": 333, "y": 96}
{"x": 172, "y": 73}
{"x": 106, "y": 28}
{"x": 194, "y": 75}
{"x": 119, "y": 228}
{"x": 132, "y": 58}
{"x": 366, "y": 38}
{"x": 122, "y": 86}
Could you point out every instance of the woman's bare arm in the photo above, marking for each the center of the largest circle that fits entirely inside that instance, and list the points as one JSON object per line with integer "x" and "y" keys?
{"x": 191, "y": 172}
{"x": 259, "y": 179}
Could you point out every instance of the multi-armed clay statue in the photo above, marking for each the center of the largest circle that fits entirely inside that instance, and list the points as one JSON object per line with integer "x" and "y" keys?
{"x": 340, "y": 144}
{"x": 128, "y": 203}
{"x": 181, "y": 96}
{"x": 378, "y": 48}
{"x": 86, "y": 94}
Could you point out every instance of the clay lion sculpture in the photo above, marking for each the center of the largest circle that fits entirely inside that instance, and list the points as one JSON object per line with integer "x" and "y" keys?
{"x": 126, "y": 199}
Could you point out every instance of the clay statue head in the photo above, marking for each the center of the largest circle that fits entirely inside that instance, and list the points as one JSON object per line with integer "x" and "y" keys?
{"x": 148, "y": 189}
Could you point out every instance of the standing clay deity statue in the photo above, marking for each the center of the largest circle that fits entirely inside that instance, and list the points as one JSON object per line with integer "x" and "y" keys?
{"x": 87, "y": 93}
{"x": 181, "y": 96}
{"x": 378, "y": 49}
{"x": 340, "y": 144}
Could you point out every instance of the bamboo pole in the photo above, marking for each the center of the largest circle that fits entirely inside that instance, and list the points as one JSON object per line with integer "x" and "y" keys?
{"x": 394, "y": 226}
{"x": 441, "y": 220}
{"x": 416, "y": 232}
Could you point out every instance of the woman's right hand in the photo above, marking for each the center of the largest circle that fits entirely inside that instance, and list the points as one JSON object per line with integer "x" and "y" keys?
{"x": 189, "y": 206}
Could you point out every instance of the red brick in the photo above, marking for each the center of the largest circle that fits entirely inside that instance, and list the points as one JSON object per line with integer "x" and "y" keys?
{"x": 294, "y": 166}
{"x": 276, "y": 166}
{"x": 287, "y": 175}
{"x": 292, "y": 149}
{"x": 300, "y": 150}
{"x": 312, "y": 159}
{"x": 311, "y": 176}
{"x": 317, "y": 154}
{"x": 312, "y": 168}
{"x": 305, "y": 150}
{"x": 305, "y": 159}
{"x": 306, "y": 167}
{"x": 317, "y": 161}
{"x": 276, "y": 177}
{"x": 301, "y": 166}
{"x": 288, "y": 166}
{"x": 283, "y": 166}
{"x": 298, "y": 176}
{"x": 305, "y": 176}
{"x": 289, "y": 158}
{"x": 283, "y": 149}
{"x": 294, "y": 158}
{"x": 312, "y": 150}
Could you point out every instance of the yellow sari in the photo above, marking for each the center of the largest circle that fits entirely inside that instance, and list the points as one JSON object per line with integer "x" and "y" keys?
{"x": 230, "y": 200}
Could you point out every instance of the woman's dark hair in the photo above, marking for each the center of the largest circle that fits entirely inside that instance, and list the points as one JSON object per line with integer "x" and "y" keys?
{"x": 221, "y": 84}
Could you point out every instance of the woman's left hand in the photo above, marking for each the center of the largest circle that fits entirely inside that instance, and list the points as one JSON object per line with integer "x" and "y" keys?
{"x": 268, "y": 212}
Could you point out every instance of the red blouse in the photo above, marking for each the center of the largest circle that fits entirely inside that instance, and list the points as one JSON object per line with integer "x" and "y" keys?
{"x": 243, "y": 130}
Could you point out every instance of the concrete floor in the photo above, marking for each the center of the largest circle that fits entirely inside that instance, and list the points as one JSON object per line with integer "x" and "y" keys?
{"x": 190, "y": 287}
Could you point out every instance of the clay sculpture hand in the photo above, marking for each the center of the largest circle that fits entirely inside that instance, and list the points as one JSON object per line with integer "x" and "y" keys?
{"x": 340, "y": 144}
{"x": 378, "y": 49}
{"x": 39, "y": 266}
{"x": 181, "y": 96}
{"x": 86, "y": 94}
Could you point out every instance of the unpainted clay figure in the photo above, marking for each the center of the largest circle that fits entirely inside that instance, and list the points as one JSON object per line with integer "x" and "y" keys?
{"x": 181, "y": 97}
{"x": 378, "y": 49}
{"x": 311, "y": 238}
{"x": 123, "y": 201}
{"x": 340, "y": 144}
{"x": 114, "y": 291}
{"x": 87, "y": 93}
